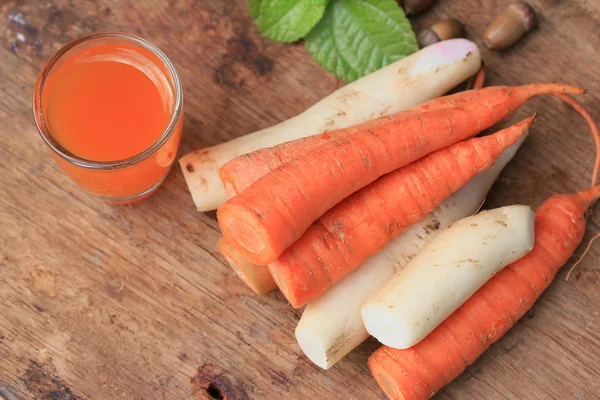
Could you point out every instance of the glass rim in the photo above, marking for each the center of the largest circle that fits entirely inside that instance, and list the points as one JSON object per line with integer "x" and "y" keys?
{"x": 46, "y": 134}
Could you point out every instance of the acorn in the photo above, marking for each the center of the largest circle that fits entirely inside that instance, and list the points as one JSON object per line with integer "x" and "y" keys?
{"x": 412, "y": 7}
{"x": 510, "y": 26}
{"x": 442, "y": 30}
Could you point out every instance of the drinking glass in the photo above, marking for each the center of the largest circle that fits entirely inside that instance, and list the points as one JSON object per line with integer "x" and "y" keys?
{"x": 123, "y": 180}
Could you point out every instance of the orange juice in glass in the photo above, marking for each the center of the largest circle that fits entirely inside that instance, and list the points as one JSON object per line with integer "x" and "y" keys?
{"x": 110, "y": 107}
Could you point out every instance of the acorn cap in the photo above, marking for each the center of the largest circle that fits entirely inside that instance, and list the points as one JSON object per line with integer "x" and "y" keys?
{"x": 442, "y": 30}
{"x": 510, "y": 26}
{"x": 412, "y": 7}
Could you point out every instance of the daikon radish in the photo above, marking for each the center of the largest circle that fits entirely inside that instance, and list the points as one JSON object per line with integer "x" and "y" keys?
{"x": 256, "y": 277}
{"x": 331, "y": 326}
{"x": 422, "y": 76}
{"x": 442, "y": 276}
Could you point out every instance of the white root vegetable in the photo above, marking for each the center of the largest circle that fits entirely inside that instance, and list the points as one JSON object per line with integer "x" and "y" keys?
{"x": 256, "y": 277}
{"x": 422, "y": 76}
{"x": 331, "y": 326}
{"x": 442, "y": 276}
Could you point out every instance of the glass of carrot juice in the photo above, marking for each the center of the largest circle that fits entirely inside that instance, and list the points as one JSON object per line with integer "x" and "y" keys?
{"x": 110, "y": 108}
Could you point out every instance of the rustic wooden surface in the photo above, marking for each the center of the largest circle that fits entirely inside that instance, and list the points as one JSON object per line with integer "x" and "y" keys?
{"x": 134, "y": 302}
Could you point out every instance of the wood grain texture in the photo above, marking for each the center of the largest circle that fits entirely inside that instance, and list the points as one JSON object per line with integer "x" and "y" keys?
{"x": 134, "y": 302}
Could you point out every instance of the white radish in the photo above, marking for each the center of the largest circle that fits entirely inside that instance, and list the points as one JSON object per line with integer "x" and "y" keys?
{"x": 442, "y": 276}
{"x": 256, "y": 277}
{"x": 422, "y": 76}
{"x": 331, "y": 326}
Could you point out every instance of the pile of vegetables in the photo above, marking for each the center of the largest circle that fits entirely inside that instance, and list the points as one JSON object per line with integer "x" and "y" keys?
{"x": 420, "y": 77}
{"x": 364, "y": 210}
{"x": 331, "y": 325}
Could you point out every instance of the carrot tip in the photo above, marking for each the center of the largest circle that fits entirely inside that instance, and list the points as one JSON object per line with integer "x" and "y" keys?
{"x": 530, "y": 119}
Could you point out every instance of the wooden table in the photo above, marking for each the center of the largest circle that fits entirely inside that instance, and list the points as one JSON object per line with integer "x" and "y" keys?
{"x": 134, "y": 302}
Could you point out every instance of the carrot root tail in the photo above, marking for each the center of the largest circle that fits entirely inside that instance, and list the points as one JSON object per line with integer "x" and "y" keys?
{"x": 593, "y": 128}
{"x": 587, "y": 249}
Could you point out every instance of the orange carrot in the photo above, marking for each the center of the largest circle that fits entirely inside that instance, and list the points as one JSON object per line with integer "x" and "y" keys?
{"x": 244, "y": 170}
{"x": 256, "y": 277}
{"x": 419, "y": 372}
{"x": 266, "y": 218}
{"x": 479, "y": 79}
{"x": 363, "y": 223}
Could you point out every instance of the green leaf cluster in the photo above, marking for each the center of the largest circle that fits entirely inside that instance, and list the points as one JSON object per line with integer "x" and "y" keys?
{"x": 350, "y": 38}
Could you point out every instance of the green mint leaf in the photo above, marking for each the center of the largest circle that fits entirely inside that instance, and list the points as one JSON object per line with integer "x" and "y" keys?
{"x": 288, "y": 20}
{"x": 254, "y": 7}
{"x": 357, "y": 37}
